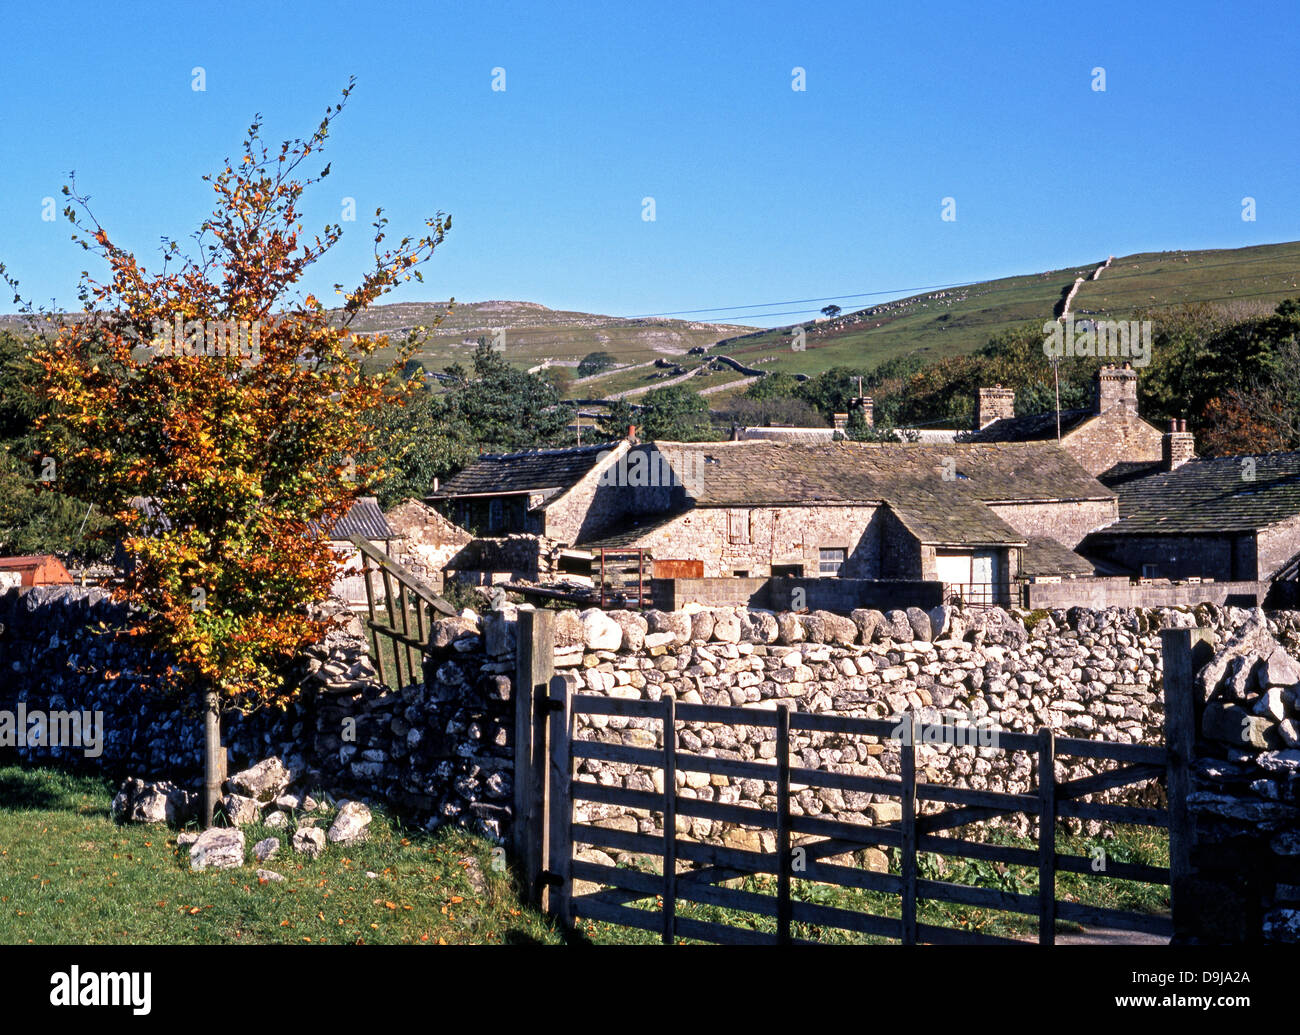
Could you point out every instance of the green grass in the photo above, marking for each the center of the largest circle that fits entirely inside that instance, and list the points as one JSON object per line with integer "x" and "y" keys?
{"x": 1130, "y": 844}
{"x": 70, "y": 875}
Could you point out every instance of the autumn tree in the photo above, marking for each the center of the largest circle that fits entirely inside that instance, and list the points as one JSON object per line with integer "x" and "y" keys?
{"x": 223, "y": 422}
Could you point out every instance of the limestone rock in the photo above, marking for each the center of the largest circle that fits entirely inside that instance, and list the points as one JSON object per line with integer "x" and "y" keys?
{"x": 266, "y": 849}
{"x": 789, "y": 629}
{"x": 1251, "y": 637}
{"x": 239, "y": 810}
{"x": 264, "y": 782}
{"x": 674, "y": 622}
{"x": 1279, "y": 669}
{"x": 270, "y": 876}
{"x": 568, "y": 629}
{"x": 446, "y": 631}
{"x": 309, "y": 841}
{"x": 920, "y": 623}
{"x": 1232, "y": 724}
{"x": 702, "y": 623}
{"x": 599, "y": 631}
{"x": 350, "y": 824}
{"x": 726, "y": 626}
{"x": 218, "y": 848}
{"x": 765, "y": 626}
{"x": 940, "y": 621}
{"x": 157, "y": 801}
{"x": 895, "y": 626}
{"x": 633, "y": 626}
{"x": 838, "y": 629}
{"x": 868, "y": 620}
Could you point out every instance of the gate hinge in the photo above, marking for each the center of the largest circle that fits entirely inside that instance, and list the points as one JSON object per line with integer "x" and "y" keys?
{"x": 546, "y": 704}
{"x": 550, "y": 879}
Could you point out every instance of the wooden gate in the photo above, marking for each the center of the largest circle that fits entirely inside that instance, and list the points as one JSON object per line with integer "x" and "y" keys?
{"x": 547, "y": 838}
{"x": 405, "y": 615}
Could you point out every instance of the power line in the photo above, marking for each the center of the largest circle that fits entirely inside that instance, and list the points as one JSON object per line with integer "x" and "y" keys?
{"x": 802, "y": 301}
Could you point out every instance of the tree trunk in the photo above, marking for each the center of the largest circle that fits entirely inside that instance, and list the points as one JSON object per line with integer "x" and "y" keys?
{"x": 213, "y": 774}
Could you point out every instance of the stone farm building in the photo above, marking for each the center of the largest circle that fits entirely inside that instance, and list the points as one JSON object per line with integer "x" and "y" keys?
{"x": 1123, "y": 512}
{"x": 1223, "y": 518}
{"x": 1099, "y": 437}
{"x": 976, "y": 517}
{"x": 1107, "y": 434}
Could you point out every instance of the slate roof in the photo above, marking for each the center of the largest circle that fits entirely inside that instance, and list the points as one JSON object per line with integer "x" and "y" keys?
{"x": 1209, "y": 496}
{"x": 1034, "y": 428}
{"x": 808, "y": 435}
{"x": 628, "y": 534}
{"x": 1045, "y": 556}
{"x": 952, "y": 521}
{"x": 535, "y": 470}
{"x": 774, "y": 473}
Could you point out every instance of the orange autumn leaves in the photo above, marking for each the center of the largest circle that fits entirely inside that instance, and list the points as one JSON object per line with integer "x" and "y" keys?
{"x": 243, "y": 465}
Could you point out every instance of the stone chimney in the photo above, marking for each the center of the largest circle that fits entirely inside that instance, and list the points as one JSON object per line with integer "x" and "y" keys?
{"x": 1117, "y": 386}
{"x": 994, "y": 403}
{"x": 1177, "y": 446}
{"x": 868, "y": 407}
{"x": 840, "y": 421}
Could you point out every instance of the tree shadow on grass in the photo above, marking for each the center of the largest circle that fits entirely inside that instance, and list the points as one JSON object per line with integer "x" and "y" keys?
{"x": 26, "y": 790}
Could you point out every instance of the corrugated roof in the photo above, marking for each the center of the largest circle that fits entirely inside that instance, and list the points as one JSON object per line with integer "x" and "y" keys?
{"x": 1207, "y": 496}
{"x": 364, "y": 518}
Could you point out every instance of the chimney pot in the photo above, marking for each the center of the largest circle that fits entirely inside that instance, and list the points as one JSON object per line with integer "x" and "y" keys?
{"x": 1177, "y": 446}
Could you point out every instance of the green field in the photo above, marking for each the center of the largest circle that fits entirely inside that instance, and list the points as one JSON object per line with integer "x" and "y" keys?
{"x": 70, "y": 875}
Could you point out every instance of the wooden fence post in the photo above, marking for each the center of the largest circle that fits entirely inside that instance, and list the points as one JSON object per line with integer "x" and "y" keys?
{"x": 907, "y": 824}
{"x": 1046, "y": 836}
{"x": 784, "y": 862}
{"x": 366, "y": 566}
{"x": 558, "y": 892}
{"x": 670, "y": 818}
{"x": 1183, "y": 652}
{"x": 534, "y": 665}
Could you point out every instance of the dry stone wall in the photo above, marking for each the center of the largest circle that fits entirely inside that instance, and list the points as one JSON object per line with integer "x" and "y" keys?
{"x": 1244, "y": 805}
{"x": 1088, "y": 674}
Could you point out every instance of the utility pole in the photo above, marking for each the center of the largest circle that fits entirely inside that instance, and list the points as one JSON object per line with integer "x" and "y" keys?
{"x": 1056, "y": 377}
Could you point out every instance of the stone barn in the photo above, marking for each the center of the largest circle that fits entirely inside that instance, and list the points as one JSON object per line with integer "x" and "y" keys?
{"x": 963, "y": 514}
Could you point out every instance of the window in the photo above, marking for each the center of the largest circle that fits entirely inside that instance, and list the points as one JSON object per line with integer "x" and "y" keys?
{"x": 1149, "y": 571}
{"x": 738, "y": 527}
{"x": 496, "y": 515}
{"x": 832, "y": 558}
{"x": 788, "y": 571}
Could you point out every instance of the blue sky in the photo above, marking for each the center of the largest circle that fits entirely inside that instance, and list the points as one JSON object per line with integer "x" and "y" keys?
{"x": 762, "y": 193}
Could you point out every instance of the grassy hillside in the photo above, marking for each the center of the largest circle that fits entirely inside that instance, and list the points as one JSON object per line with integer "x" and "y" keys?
{"x": 955, "y": 321}
{"x": 535, "y": 334}
{"x": 651, "y": 353}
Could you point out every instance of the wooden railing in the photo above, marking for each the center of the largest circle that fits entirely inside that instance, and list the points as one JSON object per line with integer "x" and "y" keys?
{"x": 422, "y": 595}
